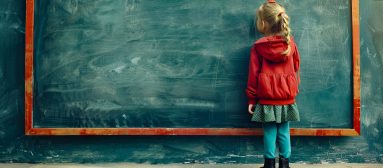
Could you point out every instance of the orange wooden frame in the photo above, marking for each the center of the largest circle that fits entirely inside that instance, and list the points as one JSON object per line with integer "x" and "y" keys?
{"x": 30, "y": 130}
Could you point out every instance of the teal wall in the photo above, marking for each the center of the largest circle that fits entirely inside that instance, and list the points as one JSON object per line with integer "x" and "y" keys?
{"x": 16, "y": 147}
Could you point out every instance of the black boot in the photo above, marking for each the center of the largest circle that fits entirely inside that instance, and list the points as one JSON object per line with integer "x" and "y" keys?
{"x": 269, "y": 163}
{"x": 283, "y": 162}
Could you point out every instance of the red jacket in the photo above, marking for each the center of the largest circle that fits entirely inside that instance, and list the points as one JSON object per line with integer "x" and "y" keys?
{"x": 273, "y": 77}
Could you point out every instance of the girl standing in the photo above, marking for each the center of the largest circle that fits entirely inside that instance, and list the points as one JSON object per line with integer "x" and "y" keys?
{"x": 273, "y": 81}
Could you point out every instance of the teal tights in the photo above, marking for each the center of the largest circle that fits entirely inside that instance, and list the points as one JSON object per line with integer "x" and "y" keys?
{"x": 276, "y": 132}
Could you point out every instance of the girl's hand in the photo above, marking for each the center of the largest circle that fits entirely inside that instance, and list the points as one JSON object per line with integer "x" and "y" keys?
{"x": 250, "y": 109}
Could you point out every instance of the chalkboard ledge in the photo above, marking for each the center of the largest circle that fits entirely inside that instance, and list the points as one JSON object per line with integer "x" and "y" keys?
{"x": 186, "y": 131}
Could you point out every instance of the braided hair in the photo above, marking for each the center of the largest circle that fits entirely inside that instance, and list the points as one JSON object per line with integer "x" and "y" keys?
{"x": 274, "y": 14}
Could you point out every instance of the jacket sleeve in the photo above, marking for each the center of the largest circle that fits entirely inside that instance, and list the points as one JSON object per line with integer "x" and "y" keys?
{"x": 254, "y": 69}
{"x": 296, "y": 58}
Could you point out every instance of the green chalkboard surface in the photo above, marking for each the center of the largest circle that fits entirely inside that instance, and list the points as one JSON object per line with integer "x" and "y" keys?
{"x": 179, "y": 63}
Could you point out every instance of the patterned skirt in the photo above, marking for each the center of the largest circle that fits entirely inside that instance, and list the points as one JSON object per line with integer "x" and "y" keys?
{"x": 275, "y": 113}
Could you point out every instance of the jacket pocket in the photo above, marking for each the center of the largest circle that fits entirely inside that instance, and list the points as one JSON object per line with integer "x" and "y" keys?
{"x": 277, "y": 86}
{"x": 265, "y": 89}
{"x": 293, "y": 85}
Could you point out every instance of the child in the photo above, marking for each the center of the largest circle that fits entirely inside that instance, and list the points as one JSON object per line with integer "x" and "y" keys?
{"x": 273, "y": 81}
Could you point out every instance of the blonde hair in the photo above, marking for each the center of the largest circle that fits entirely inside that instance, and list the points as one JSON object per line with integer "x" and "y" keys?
{"x": 277, "y": 19}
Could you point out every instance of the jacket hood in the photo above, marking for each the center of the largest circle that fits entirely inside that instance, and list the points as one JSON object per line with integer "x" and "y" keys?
{"x": 272, "y": 47}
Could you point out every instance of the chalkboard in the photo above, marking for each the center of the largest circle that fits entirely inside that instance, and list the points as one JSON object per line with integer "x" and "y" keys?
{"x": 180, "y": 64}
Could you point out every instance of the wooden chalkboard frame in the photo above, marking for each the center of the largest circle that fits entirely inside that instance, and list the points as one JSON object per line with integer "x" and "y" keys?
{"x": 30, "y": 130}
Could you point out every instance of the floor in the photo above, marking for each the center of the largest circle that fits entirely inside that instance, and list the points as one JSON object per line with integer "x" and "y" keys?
{"x": 129, "y": 165}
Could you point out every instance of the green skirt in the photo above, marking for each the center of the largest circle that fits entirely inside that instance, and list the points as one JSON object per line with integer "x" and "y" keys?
{"x": 275, "y": 113}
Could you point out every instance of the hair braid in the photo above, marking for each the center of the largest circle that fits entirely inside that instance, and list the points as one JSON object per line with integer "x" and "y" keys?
{"x": 278, "y": 21}
{"x": 286, "y": 31}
